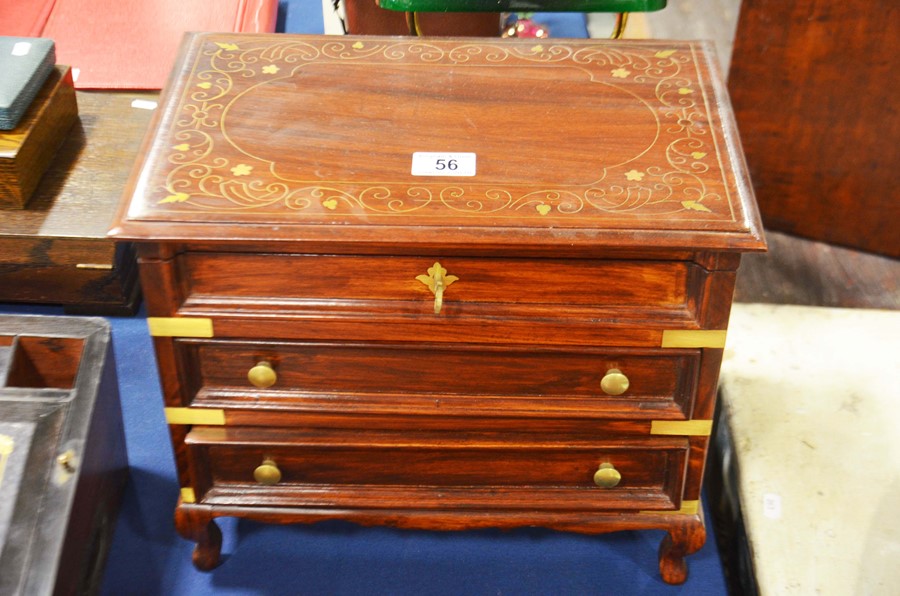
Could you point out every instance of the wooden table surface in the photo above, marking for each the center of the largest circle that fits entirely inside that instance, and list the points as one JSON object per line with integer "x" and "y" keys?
{"x": 56, "y": 251}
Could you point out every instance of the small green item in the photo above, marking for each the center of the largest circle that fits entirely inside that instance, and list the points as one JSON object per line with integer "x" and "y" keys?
{"x": 523, "y": 5}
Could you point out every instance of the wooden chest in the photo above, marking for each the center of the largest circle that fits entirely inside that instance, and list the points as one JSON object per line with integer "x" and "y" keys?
{"x": 441, "y": 284}
{"x": 62, "y": 453}
{"x": 56, "y": 250}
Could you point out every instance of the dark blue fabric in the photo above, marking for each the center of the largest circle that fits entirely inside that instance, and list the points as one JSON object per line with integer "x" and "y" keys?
{"x": 148, "y": 557}
{"x": 299, "y": 16}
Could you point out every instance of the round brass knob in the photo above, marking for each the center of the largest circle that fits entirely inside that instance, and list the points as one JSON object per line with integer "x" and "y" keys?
{"x": 614, "y": 382}
{"x": 607, "y": 476}
{"x": 262, "y": 375}
{"x": 267, "y": 473}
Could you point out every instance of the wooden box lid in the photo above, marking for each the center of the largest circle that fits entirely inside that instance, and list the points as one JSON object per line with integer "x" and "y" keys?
{"x": 576, "y": 143}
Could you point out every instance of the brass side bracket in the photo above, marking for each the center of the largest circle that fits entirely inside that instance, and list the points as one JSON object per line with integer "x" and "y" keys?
{"x": 693, "y": 338}
{"x": 180, "y": 326}
{"x": 687, "y": 508}
{"x": 7, "y": 444}
{"x": 689, "y": 428}
{"x": 198, "y": 416}
{"x": 437, "y": 281}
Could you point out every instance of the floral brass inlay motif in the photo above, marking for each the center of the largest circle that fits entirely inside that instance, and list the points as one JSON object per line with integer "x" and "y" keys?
{"x": 680, "y": 173}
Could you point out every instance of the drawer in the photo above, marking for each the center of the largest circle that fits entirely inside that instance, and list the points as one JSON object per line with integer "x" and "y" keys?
{"x": 447, "y": 380}
{"x": 389, "y": 470}
{"x": 506, "y": 287}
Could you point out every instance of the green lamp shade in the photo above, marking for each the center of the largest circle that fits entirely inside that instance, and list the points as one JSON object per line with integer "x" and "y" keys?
{"x": 523, "y": 5}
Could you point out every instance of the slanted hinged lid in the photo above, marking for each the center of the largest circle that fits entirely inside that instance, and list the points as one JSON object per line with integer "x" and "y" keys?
{"x": 343, "y": 139}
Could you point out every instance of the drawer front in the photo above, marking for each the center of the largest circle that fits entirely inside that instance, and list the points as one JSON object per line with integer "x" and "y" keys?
{"x": 400, "y": 285}
{"x": 445, "y": 380}
{"x": 366, "y": 469}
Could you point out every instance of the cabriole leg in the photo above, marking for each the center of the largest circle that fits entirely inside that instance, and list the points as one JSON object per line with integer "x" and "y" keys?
{"x": 678, "y": 543}
{"x": 198, "y": 526}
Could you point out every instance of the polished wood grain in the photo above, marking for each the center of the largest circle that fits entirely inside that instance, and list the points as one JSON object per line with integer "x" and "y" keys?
{"x": 301, "y": 236}
{"x": 315, "y": 278}
{"x": 814, "y": 94}
{"x": 439, "y": 470}
{"x": 422, "y": 379}
{"x": 56, "y": 251}
{"x": 642, "y": 149}
{"x": 27, "y": 150}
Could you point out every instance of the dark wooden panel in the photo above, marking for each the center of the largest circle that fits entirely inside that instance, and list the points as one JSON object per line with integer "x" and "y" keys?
{"x": 813, "y": 85}
{"x": 800, "y": 271}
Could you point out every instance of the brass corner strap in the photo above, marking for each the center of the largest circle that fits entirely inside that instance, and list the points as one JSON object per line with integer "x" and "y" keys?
{"x": 180, "y": 326}
{"x": 693, "y": 338}
{"x": 689, "y": 428}
{"x": 188, "y": 496}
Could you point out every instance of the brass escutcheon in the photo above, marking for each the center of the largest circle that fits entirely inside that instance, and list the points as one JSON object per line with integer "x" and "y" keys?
{"x": 437, "y": 281}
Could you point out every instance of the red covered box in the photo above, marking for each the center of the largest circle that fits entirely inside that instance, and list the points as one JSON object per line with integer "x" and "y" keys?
{"x": 129, "y": 44}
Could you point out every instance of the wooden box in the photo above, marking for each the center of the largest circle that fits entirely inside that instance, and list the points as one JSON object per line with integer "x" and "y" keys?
{"x": 27, "y": 150}
{"x": 441, "y": 284}
{"x": 62, "y": 453}
{"x": 56, "y": 250}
